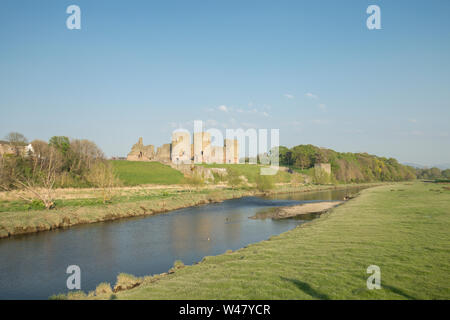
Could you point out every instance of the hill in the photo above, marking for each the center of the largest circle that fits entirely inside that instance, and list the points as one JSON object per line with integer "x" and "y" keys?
{"x": 347, "y": 167}
{"x": 133, "y": 173}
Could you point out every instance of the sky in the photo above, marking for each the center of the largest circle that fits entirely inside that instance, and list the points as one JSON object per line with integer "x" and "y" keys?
{"x": 311, "y": 69}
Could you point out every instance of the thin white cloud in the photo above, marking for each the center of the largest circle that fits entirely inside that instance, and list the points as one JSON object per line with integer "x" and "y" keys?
{"x": 311, "y": 95}
{"x": 223, "y": 108}
{"x": 412, "y": 120}
{"x": 288, "y": 96}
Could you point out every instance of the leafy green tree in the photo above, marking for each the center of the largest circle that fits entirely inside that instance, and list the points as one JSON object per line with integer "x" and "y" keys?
{"x": 446, "y": 174}
{"x": 60, "y": 143}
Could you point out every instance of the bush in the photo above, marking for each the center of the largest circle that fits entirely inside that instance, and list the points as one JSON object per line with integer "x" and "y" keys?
{"x": 321, "y": 177}
{"x": 195, "y": 181}
{"x": 264, "y": 183}
{"x": 233, "y": 177}
{"x": 126, "y": 281}
{"x": 103, "y": 288}
{"x": 36, "y": 205}
{"x": 178, "y": 264}
{"x": 102, "y": 176}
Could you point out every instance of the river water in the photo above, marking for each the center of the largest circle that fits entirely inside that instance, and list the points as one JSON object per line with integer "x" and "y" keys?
{"x": 34, "y": 266}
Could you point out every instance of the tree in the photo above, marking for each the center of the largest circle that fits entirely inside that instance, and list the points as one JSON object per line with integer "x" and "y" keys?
{"x": 83, "y": 153}
{"x": 446, "y": 173}
{"x": 61, "y": 143}
{"x": 39, "y": 148}
{"x": 16, "y": 139}
{"x": 36, "y": 175}
{"x": 101, "y": 175}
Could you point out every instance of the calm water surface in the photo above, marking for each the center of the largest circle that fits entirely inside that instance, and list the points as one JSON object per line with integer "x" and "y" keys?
{"x": 34, "y": 266}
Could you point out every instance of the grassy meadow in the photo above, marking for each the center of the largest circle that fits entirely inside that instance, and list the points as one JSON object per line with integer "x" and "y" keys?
{"x": 402, "y": 228}
{"x": 250, "y": 171}
{"x": 133, "y": 173}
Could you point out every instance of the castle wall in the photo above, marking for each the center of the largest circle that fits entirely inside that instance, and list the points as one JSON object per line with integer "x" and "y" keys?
{"x": 139, "y": 152}
{"x": 181, "y": 147}
{"x": 231, "y": 150}
{"x": 163, "y": 153}
{"x": 202, "y": 147}
{"x": 217, "y": 154}
{"x": 182, "y": 151}
{"x": 326, "y": 167}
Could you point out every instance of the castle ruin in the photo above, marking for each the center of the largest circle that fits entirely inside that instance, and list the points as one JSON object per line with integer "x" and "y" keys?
{"x": 184, "y": 151}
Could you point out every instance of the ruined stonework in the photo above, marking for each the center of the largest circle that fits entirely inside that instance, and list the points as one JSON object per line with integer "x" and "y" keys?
{"x": 202, "y": 147}
{"x": 182, "y": 151}
{"x": 217, "y": 154}
{"x": 163, "y": 153}
{"x": 325, "y": 167}
{"x": 231, "y": 151}
{"x": 181, "y": 147}
{"x": 139, "y": 152}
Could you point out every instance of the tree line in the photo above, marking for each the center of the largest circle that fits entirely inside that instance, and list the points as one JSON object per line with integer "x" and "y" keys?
{"x": 60, "y": 162}
{"x": 345, "y": 166}
{"x": 433, "y": 174}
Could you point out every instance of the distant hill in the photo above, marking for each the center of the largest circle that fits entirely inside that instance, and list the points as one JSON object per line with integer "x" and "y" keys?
{"x": 414, "y": 165}
{"x": 443, "y": 166}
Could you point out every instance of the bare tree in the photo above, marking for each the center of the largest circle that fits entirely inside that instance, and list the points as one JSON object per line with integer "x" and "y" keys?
{"x": 40, "y": 148}
{"x": 84, "y": 154}
{"x": 16, "y": 139}
{"x": 101, "y": 175}
{"x": 39, "y": 179}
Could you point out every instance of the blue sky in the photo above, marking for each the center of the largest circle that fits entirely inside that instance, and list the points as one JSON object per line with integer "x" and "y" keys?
{"x": 310, "y": 68}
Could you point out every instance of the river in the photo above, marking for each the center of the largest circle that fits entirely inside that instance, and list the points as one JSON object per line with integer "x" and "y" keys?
{"x": 33, "y": 266}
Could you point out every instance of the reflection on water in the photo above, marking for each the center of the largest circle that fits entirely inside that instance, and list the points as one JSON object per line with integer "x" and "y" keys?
{"x": 33, "y": 266}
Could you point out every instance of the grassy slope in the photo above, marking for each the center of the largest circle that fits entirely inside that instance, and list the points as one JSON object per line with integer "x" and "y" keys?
{"x": 250, "y": 171}
{"x": 133, "y": 173}
{"x": 404, "y": 229}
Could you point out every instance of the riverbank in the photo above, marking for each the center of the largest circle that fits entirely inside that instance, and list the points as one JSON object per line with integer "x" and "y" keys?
{"x": 130, "y": 202}
{"x": 401, "y": 228}
{"x": 297, "y": 210}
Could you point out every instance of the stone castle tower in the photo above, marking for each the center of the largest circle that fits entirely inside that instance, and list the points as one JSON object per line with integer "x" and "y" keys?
{"x": 182, "y": 151}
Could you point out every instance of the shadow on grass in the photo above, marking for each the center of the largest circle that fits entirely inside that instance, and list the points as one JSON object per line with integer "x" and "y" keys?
{"x": 392, "y": 289}
{"x": 397, "y": 291}
{"x": 306, "y": 288}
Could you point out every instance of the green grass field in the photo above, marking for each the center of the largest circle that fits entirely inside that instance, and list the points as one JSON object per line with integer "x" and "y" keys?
{"x": 402, "y": 228}
{"x": 250, "y": 171}
{"x": 133, "y": 173}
